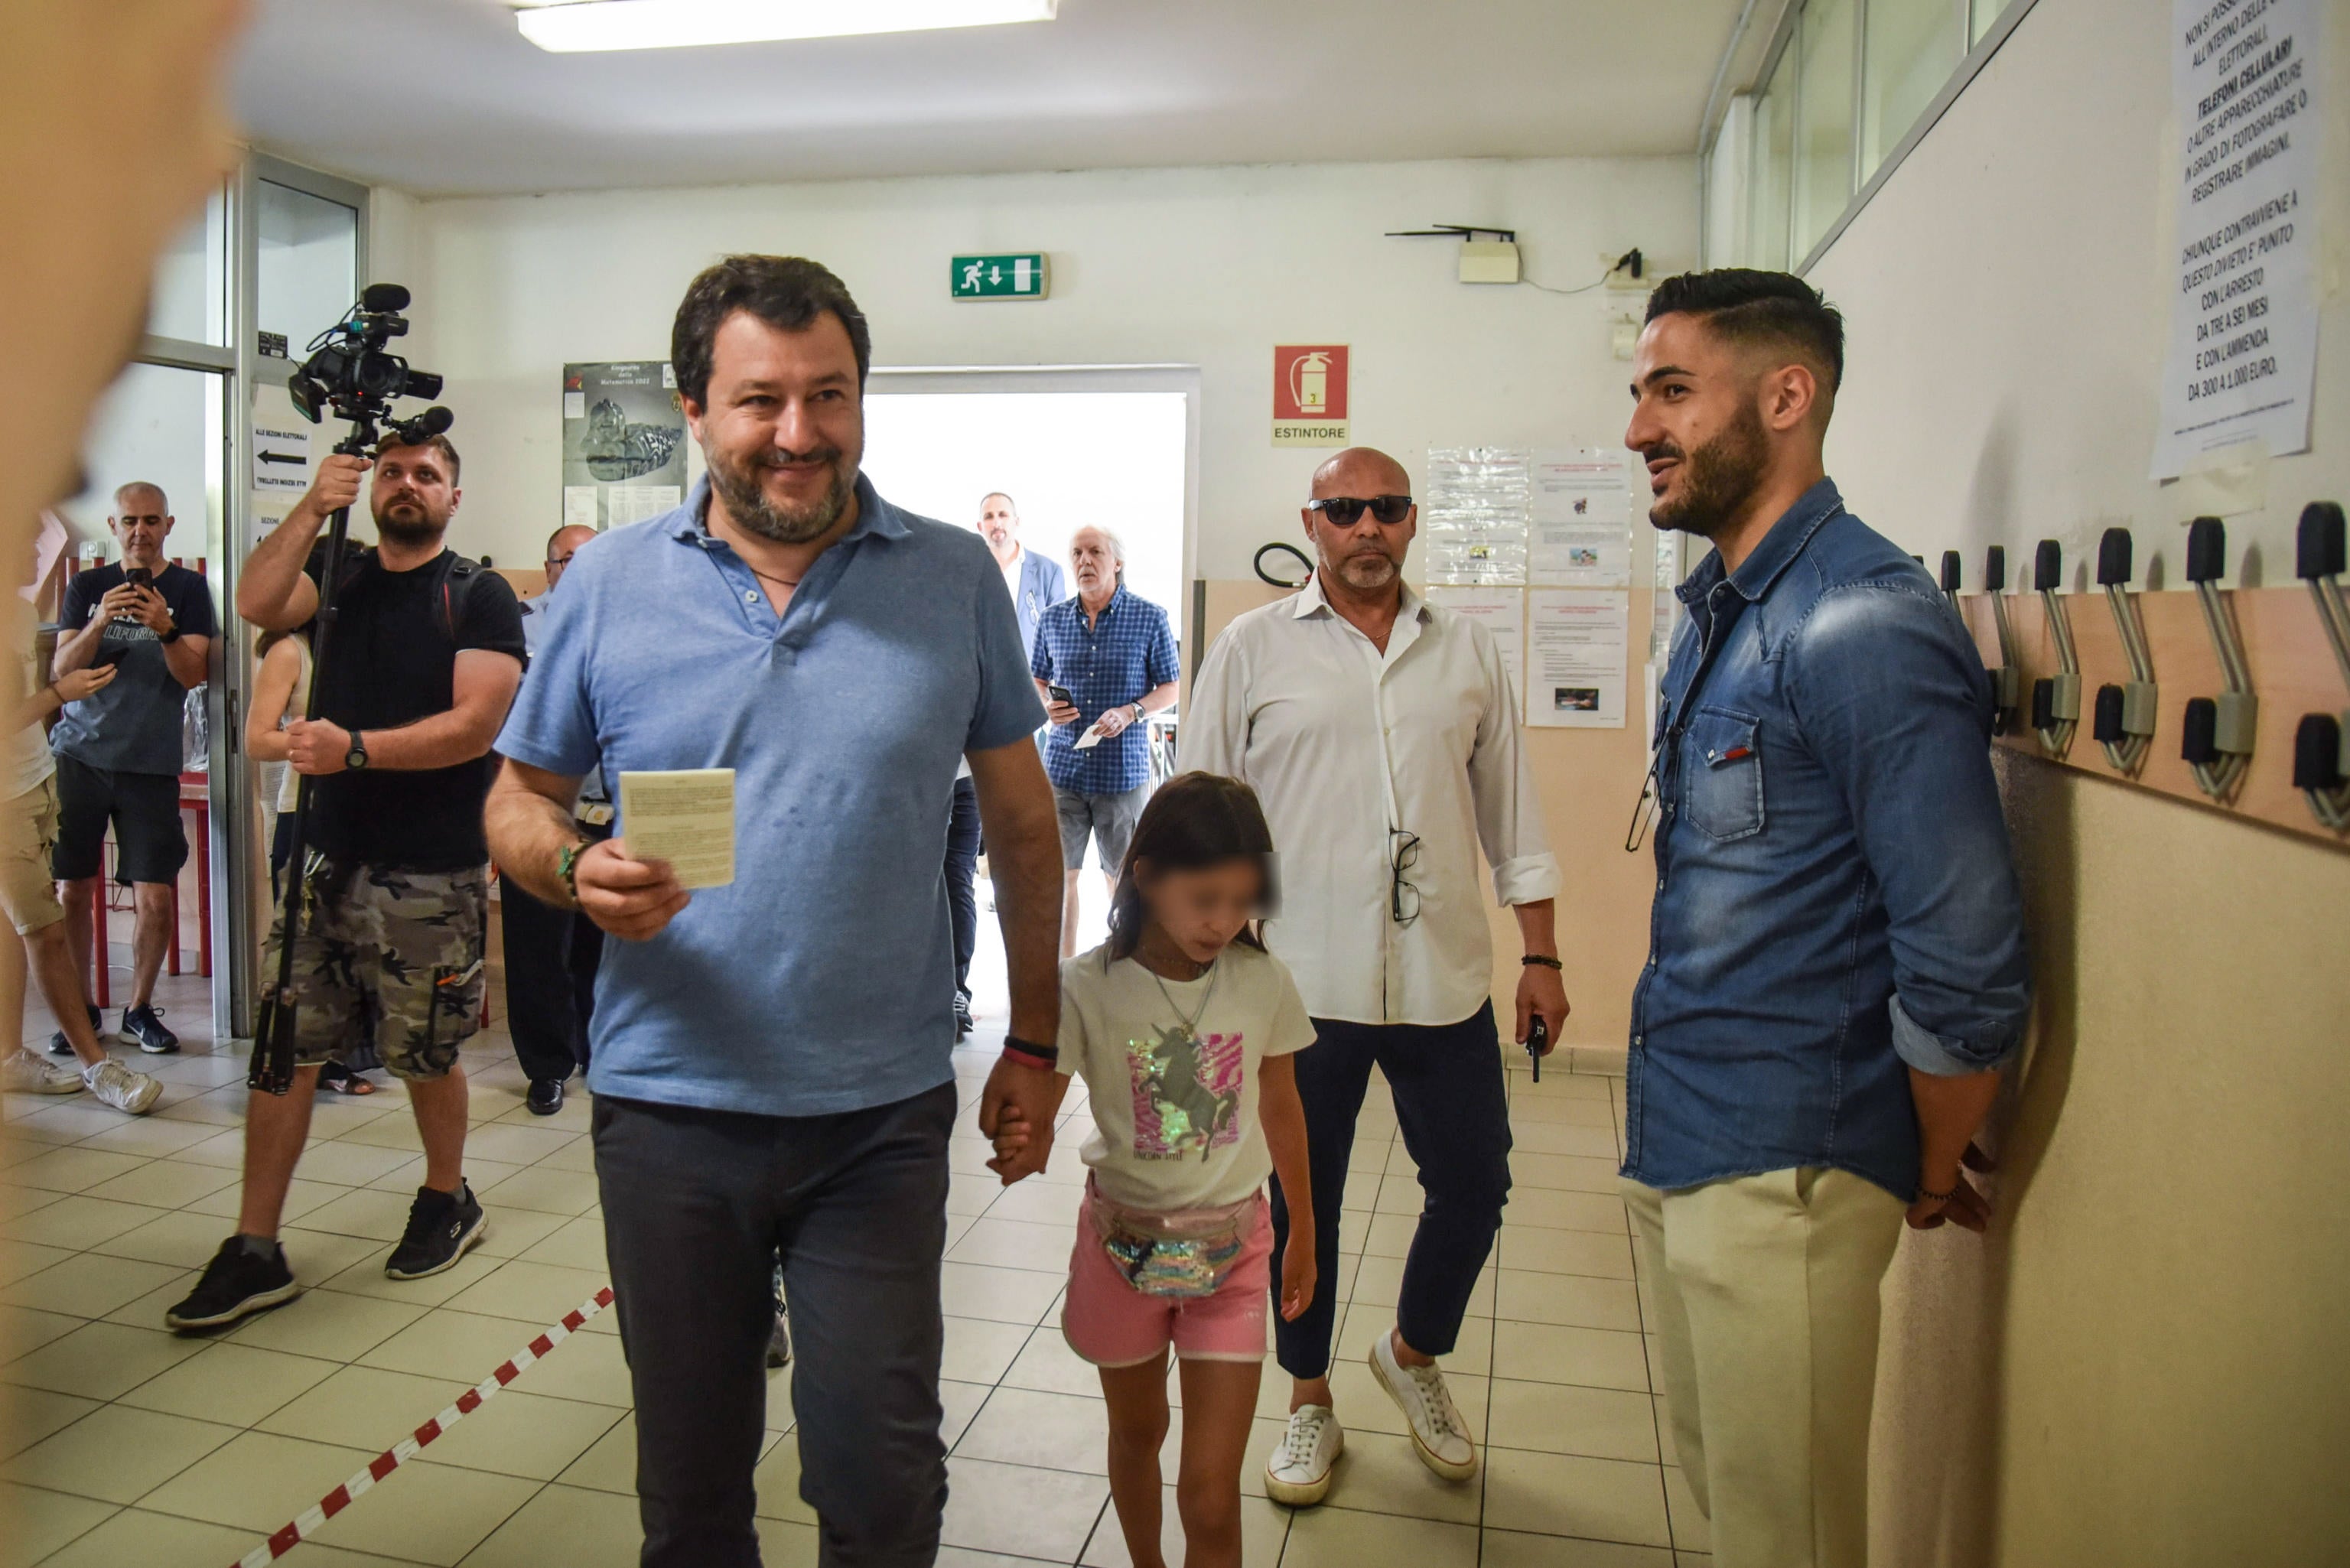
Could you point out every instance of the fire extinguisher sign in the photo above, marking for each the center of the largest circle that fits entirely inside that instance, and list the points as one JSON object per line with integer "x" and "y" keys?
{"x": 1309, "y": 394}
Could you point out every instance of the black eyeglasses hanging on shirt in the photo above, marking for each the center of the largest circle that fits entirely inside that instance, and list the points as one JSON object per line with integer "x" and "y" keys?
{"x": 1403, "y": 897}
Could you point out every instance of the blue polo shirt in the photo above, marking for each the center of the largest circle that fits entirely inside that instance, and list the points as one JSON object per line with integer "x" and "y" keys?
{"x": 822, "y": 981}
{"x": 1123, "y": 654}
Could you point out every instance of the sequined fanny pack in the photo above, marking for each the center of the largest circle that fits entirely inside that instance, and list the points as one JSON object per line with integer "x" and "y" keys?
{"x": 1184, "y": 1256}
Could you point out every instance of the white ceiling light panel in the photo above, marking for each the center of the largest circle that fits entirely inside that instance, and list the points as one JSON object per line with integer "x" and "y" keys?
{"x": 582, "y": 26}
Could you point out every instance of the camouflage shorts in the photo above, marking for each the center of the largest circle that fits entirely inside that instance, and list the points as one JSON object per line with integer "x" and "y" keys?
{"x": 395, "y": 953}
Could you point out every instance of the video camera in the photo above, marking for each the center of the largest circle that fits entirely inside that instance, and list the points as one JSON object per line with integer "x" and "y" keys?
{"x": 350, "y": 371}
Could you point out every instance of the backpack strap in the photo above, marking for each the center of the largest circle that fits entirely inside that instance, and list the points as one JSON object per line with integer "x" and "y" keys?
{"x": 457, "y": 580}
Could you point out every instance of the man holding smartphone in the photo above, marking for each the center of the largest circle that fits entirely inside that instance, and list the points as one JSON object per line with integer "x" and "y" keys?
{"x": 120, "y": 749}
{"x": 1104, "y": 661}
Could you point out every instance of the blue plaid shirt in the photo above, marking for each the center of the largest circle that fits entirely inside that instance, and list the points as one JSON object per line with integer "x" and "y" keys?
{"x": 1125, "y": 653}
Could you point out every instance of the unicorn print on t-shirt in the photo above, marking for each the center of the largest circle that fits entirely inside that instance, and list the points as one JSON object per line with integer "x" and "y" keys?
{"x": 1187, "y": 1093}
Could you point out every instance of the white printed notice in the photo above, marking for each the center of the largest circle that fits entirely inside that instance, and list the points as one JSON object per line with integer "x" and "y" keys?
{"x": 1580, "y": 513}
{"x": 1502, "y": 611}
{"x": 686, "y": 818}
{"x": 1575, "y": 660}
{"x": 2244, "y": 311}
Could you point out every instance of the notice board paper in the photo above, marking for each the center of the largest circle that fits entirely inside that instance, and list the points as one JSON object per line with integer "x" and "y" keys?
{"x": 1576, "y": 658}
{"x": 1502, "y": 612}
{"x": 1581, "y": 516}
{"x": 686, "y": 818}
{"x": 2247, "y": 95}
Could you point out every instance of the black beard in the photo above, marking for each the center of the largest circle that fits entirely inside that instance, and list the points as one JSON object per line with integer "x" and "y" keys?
{"x": 417, "y": 528}
{"x": 1720, "y": 478}
{"x": 737, "y": 484}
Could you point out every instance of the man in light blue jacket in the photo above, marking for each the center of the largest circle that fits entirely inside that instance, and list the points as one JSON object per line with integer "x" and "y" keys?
{"x": 1034, "y": 581}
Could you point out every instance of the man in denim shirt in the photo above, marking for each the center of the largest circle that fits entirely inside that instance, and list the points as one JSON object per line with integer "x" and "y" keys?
{"x": 1836, "y": 969}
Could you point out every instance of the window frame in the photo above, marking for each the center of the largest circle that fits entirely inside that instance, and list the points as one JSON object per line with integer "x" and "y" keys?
{"x": 1786, "y": 34}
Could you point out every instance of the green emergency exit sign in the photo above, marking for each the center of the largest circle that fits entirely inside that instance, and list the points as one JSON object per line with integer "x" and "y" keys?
{"x": 1017, "y": 276}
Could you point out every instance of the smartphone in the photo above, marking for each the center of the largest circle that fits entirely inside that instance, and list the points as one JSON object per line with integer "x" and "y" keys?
{"x": 133, "y": 576}
{"x": 1061, "y": 695}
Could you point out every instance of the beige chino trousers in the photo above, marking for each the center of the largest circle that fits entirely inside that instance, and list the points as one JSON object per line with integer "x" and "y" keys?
{"x": 1766, "y": 1292}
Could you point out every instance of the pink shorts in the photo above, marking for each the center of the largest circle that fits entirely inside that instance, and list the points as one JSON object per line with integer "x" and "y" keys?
{"x": 1111, "y": 1324}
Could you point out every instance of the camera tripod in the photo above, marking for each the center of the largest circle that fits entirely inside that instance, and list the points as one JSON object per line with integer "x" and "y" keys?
{"x": 274, "y": 1033}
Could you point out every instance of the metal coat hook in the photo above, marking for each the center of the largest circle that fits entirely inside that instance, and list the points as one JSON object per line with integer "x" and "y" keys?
{"x": 2124, "y": 721}
{"x": 2218, "y": 731}
{"x": 2321, "y": 744}
{"x": 2055, "y": 698}
{"x": 2006, "y": 681}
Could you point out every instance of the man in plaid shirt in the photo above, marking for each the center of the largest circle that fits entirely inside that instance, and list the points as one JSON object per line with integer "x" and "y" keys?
{"x": 1103, "y": 661}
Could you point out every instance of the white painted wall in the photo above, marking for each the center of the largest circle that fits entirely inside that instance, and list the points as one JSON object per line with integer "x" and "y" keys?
{"x": 1199, "y": 267}
{"x": 2007, "y": 303}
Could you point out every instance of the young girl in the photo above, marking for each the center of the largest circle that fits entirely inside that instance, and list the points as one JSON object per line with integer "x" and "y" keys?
{"x": 1182, "y": 1026}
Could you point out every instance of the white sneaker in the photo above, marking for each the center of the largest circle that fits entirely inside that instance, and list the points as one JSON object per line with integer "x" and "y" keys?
{"x": 1437, "y": 1429}
{"x": 1298, "y": 1474}
{"x": 26, "y": 1073}
{"x": 119, "y": 1087}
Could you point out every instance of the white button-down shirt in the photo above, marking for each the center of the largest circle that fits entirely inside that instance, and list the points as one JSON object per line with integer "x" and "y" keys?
{"x": 1345, "y": 746}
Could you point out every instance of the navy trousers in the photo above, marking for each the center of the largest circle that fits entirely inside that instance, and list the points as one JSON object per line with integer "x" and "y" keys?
{"x": 1454, "y": 1113}
{"x": 697, "y": 1203}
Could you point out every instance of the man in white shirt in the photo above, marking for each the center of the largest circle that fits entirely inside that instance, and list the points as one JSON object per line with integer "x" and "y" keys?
{"x": 1380, "y": 732}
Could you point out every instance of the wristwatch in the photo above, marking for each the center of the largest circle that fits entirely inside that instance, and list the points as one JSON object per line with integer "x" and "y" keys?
{"x": 356, "y": 759}
{"x": 1141, "y": 712}
{"x": 169, "y": 637}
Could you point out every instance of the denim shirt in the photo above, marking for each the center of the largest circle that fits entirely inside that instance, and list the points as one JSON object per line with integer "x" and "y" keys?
{"x": 1835, "y": 898}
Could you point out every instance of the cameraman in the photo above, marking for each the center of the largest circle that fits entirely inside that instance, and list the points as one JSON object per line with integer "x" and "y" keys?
{"x": 425, "y": 655}
{"x": 120, "y": 750}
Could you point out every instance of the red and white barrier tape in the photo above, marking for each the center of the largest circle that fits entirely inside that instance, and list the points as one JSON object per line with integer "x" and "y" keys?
{"x": 302, "y": 1527}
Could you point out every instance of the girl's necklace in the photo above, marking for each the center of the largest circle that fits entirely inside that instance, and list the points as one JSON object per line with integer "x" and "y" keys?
{"x": 1190, "y": 1024}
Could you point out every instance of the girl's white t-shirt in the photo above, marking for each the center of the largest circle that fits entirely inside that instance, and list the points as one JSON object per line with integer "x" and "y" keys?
{"x": 1175, "y": 1110}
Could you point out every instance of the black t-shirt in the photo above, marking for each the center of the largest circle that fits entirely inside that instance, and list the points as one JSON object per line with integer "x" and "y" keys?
{"x": 392, "y": 660}
{"x": 132, "y": 726}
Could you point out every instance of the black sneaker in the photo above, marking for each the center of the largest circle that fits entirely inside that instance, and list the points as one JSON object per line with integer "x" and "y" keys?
{"x": 964, "y": 1025}
{"x": 144, "y": 1027}
{"x": 236, "y": 1283}
{"x": 61, "y": 1046}
{"x": 546, "y": 1096}
{"x": 441, "y": 1228}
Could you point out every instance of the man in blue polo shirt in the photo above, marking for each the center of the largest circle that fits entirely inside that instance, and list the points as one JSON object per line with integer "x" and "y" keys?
{"x": 771, "y": 1059}
{"x": 1104, "y": 661}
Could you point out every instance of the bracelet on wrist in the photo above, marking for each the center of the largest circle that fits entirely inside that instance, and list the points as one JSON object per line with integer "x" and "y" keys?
{"x": 1028, "y": 1054}
{"x": 1539, "y": 960}
{"x": 567, "y": 866}
{"x": 1926, "y": 1196}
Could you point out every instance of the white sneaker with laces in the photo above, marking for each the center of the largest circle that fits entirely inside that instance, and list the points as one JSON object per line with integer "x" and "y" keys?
{"x": 1438, "y": 1432}
{"x": 1298, "y": 1474}
{"x": 119, "y": 1087}
{"x": 26, "y": 1073}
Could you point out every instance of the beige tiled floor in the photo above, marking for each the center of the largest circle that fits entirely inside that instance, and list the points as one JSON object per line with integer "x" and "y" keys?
{"x": 122, "y": 1444}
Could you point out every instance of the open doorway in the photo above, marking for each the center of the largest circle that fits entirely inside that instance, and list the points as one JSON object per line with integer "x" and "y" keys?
{"x": 1113, "y": 448}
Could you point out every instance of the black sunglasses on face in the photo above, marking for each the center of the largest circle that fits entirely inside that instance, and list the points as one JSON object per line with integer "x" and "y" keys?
{"x": 1344, "y": 509}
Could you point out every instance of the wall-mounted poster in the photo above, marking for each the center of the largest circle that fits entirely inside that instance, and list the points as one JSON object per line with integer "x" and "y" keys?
{"x": 623, "y": 442}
